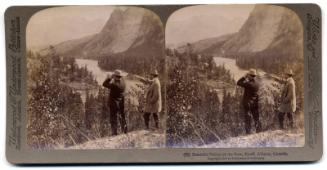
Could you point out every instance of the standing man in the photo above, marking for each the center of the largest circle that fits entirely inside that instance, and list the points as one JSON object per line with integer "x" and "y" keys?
{"x": 288, "y": 101}
{"x": 250, "y": 100}
{"x": 153, "y": 103}
{"x": 116, "y": 85}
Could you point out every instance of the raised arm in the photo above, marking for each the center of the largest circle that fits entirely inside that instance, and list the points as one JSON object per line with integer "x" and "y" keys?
{"x": 106, "y": 83}
{"x": 242, "y": 82}
{"x": 278, "y": 79}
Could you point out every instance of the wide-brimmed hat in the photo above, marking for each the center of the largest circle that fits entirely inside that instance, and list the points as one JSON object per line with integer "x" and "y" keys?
{"x": 117, "y": 73}
{"x": 252, "y": 72}
{"x": 154, "y": 72}
{"x": 289, "y": 72}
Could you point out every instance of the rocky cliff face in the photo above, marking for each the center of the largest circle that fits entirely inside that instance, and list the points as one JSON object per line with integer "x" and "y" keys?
{"x": 126, "y": 30}
{"x": 131, "y": 36}
{"x": 270, "y": 31}
{"x": 267, "y": 27}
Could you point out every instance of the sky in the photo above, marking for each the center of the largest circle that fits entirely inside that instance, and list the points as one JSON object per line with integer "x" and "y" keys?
{"x": 195, "y": 23}
{"x": 54, "y": 25}
{"x": 58, "y": 24}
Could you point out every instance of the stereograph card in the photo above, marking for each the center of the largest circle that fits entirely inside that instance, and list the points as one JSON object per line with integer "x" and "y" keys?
{"x": 163, "y": 83}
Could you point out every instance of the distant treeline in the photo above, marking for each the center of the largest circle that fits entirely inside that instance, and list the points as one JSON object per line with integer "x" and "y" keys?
{"x": 138, "y": 61}
{"x": 132, "y": 64}
{"x": 204, "y": 65}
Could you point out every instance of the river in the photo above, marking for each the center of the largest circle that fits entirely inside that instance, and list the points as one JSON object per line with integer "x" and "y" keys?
{"x": 92, "y": 66}
{"x": 267, "y": 85}
{"x": 132, "y": 86}
{"x": 100, "y": 75}
{"x": 230, "y": 64}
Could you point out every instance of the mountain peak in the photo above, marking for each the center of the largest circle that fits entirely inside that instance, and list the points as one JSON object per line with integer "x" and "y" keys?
{"x": 264, "y": 25}
{"x": 126, "y": 29}
{"x": 116, "y": 15}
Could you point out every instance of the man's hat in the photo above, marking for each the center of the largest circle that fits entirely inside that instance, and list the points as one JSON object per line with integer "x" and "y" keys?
{"x": 117, "y": 73}
{"x": 252, "y": 72}
{"x": 155, "y": 72}
{"x": 290, "y": 72}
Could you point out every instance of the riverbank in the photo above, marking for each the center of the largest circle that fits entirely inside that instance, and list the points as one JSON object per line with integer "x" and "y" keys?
{"x": 230, "y": 64}
{"x": 134, "y": 84}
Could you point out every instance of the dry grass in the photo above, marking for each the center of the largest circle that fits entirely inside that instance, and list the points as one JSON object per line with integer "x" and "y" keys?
{"x": 276, "y": 138}
{"x": 142, "y": 139}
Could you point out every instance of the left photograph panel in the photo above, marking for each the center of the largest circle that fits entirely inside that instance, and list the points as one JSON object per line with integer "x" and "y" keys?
{"x": 95, "y": 78}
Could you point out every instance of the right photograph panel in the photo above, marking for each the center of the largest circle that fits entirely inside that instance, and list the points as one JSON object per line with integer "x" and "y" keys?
{"x": 236, "y": 77}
